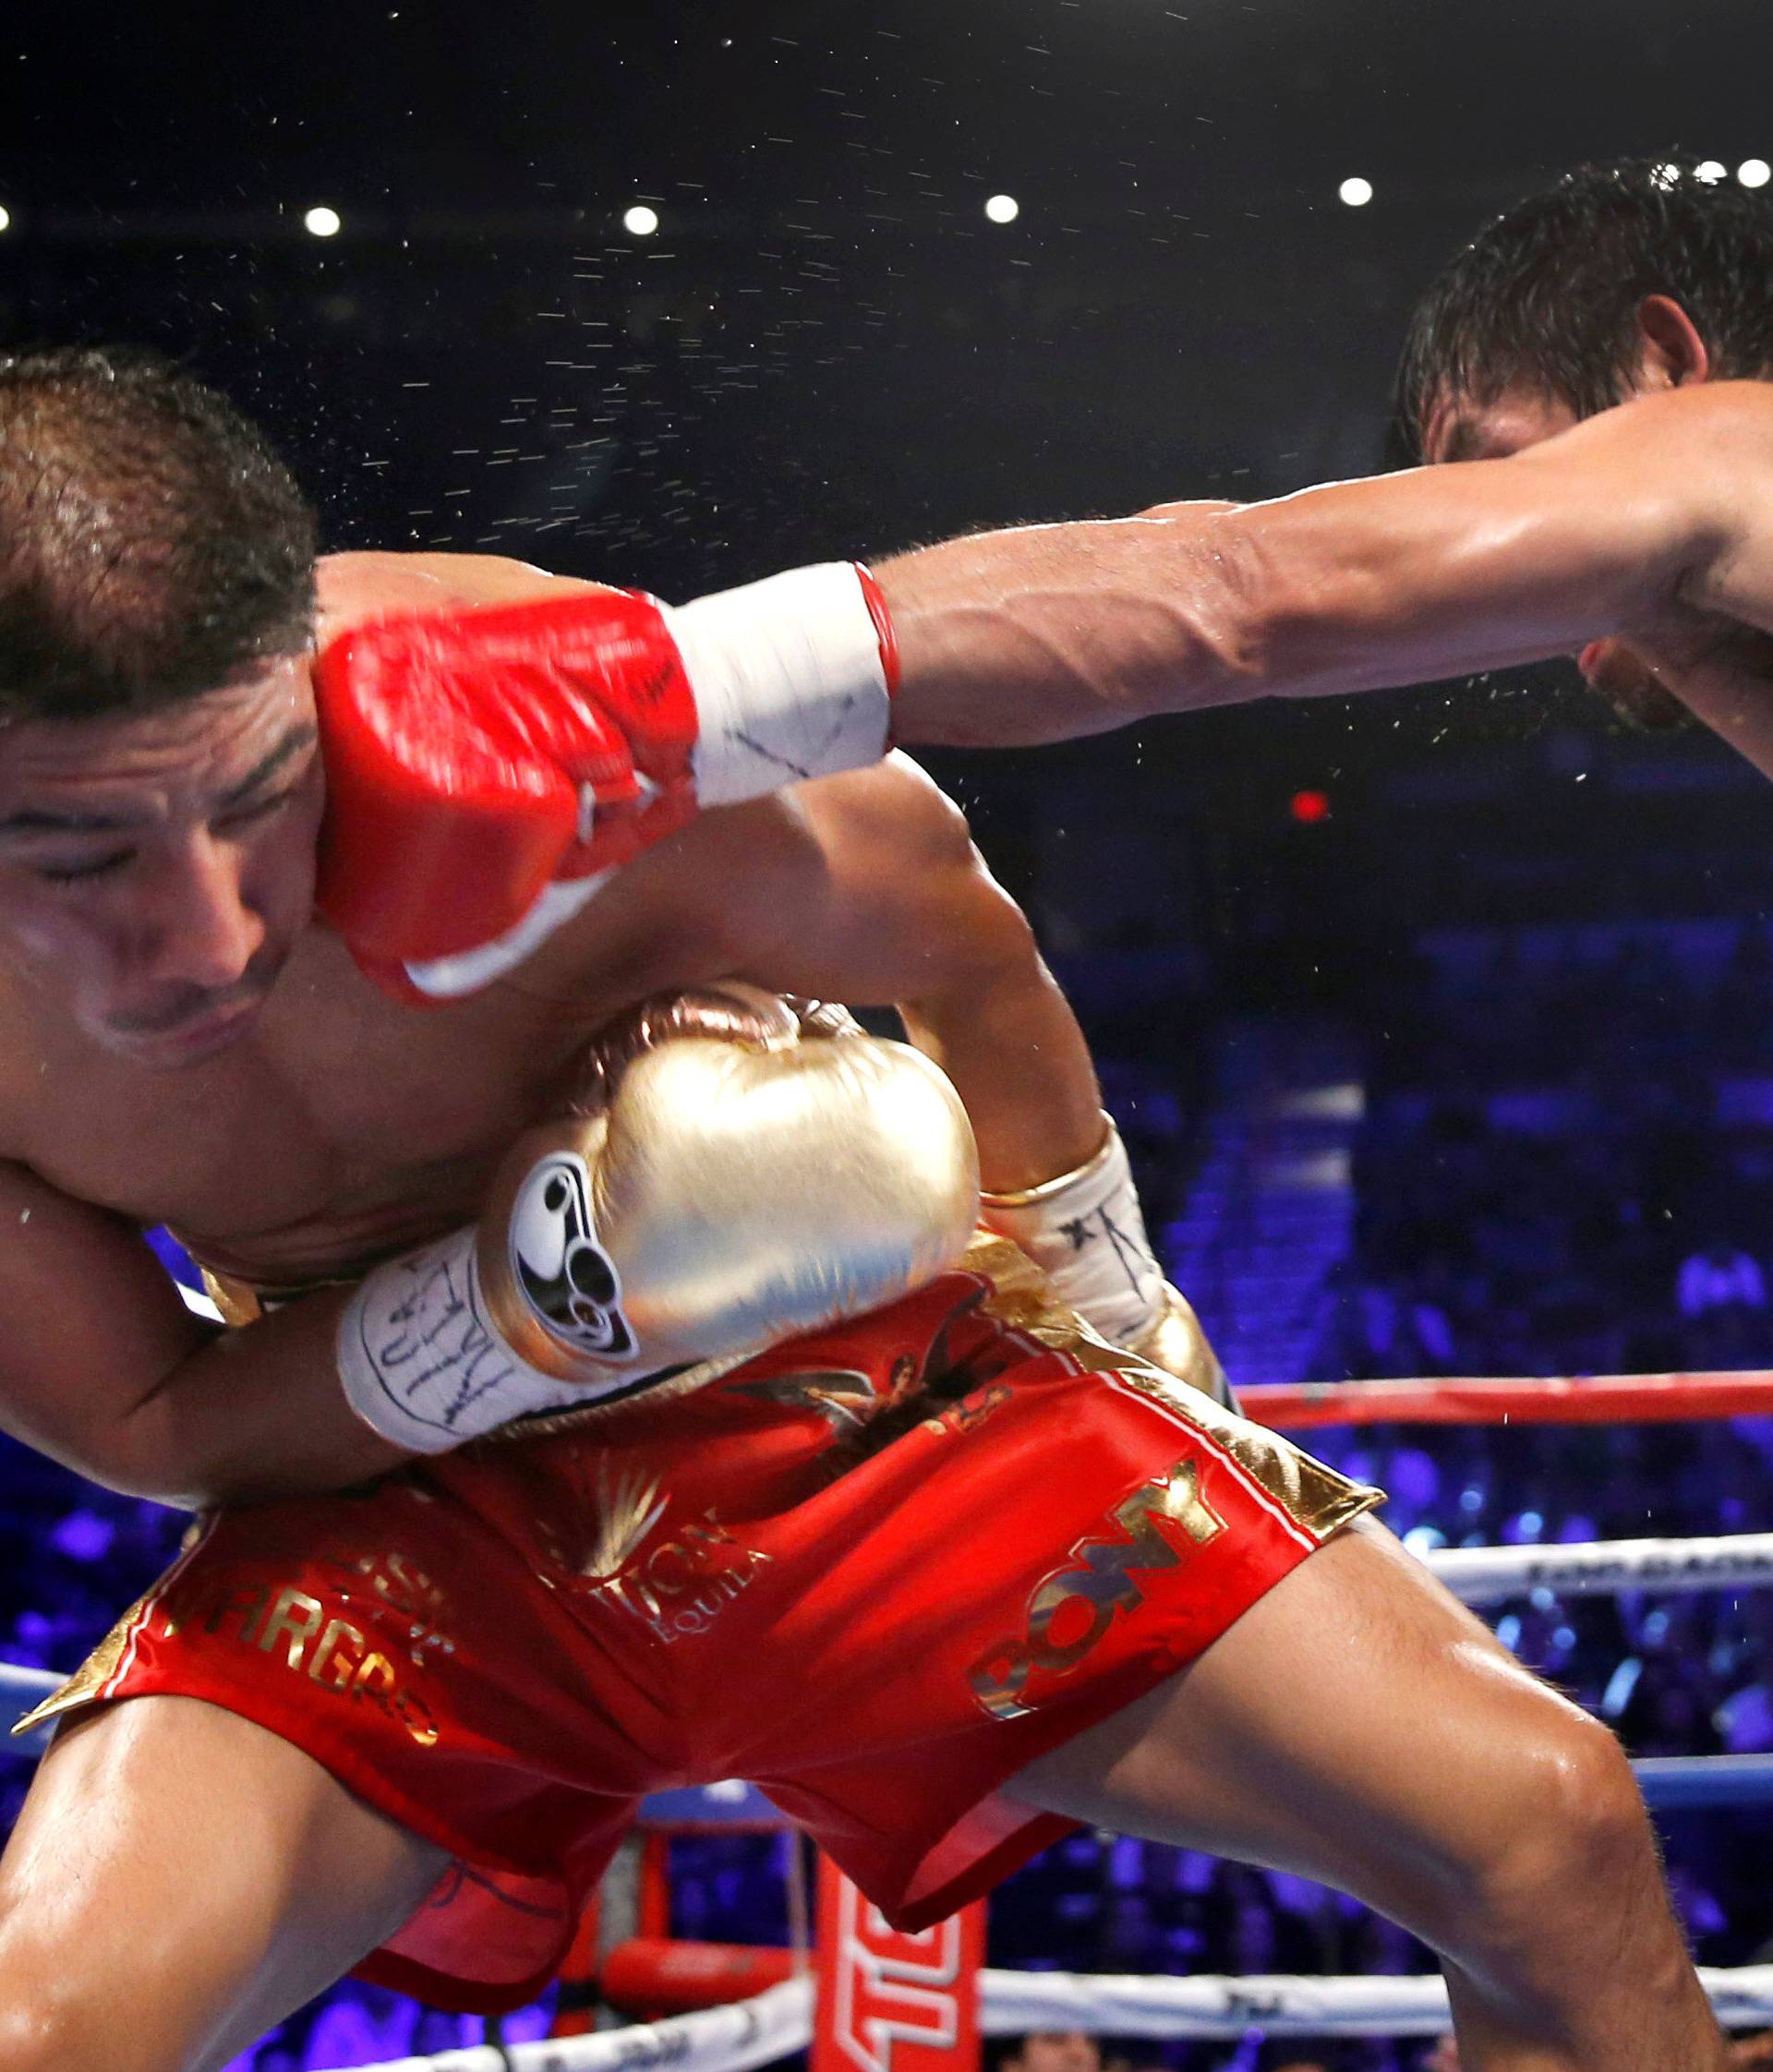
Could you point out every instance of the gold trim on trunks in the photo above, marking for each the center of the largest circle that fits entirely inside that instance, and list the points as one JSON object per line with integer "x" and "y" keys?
{"x": 1315, "y": 1497}
{"x": 87, "y": 1682}
{"x": 237, "y": 1300}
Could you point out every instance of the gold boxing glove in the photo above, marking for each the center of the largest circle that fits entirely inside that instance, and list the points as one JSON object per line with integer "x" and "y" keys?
{"x": 729, "y": 1175}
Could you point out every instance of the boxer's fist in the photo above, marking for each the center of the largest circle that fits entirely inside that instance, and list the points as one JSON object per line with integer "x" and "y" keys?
{"x": 484, "y": 767}
{"x": 724, "y": 1190}
{"x": 726, "y": 1177}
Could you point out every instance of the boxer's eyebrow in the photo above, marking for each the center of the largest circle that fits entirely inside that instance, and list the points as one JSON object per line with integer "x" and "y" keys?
{"x": 1462, "y": 442}
{"x": 299, "y": 737}
{"x": 34, "y": 821}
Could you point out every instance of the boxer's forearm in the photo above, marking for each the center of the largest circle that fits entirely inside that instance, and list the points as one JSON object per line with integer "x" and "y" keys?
{"x": 256, "y": 1413}
{"x": 107, "y": 1372}
{"x": 1012, "y": 1046}
{"x": 899, "y": 907}
{"x": 1050, "y": 632}
{"x": 1736, "y": 705}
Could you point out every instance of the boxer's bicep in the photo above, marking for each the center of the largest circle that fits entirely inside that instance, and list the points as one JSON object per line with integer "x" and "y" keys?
{"x": 901, "y": 909}
{"x": 90, "y": 1322}
{"x": 890, "y": 903}
{"x": 1735, "y": 577}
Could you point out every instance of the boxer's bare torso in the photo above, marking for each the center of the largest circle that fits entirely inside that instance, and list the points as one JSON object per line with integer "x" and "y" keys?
{"x": 343, "y": 1124}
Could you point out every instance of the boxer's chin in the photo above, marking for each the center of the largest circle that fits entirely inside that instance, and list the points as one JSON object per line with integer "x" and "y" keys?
{"x": 1617, "y": 673}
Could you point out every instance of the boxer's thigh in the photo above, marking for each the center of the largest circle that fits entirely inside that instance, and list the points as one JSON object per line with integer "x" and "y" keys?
{"x": 1359, "y": 1726}
{"x": 180, "y": 1879}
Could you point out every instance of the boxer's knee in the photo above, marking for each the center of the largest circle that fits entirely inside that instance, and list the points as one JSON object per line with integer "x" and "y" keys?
{"x": 1567, "y": 1851}
{"x": 42, "y": 2028}
{"x": 55, "y": 2015}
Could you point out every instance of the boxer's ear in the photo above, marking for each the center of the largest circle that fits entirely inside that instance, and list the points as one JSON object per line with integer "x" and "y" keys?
{"x": 1671, "y": 353}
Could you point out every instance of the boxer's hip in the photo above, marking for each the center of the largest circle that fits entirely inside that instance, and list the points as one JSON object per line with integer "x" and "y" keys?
{"x": 877, "y": 1570}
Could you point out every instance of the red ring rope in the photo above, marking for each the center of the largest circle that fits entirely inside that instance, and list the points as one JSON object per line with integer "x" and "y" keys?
{"x": 1601, "y": 1399}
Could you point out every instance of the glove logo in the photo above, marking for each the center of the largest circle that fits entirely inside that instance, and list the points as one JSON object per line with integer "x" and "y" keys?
{"x": 568, "y": 1279}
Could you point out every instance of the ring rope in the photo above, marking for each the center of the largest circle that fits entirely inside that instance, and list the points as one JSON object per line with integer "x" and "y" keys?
{"x": 734, "y": 2038}
{"x": 753, "y": 2032}
{"x": 1488, "y": 1576}
{"x": 1521, "y": 1399}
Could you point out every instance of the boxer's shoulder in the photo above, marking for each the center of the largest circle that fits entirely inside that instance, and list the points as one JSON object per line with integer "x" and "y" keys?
{"x": 352, "y": 587}
{"x": 693, "y": 908}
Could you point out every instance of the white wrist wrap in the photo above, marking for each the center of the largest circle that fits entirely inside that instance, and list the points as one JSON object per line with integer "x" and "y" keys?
{"x": 788, "y": 679}
{"x": 1086, "y": 1232}
{"x": 419, "y": 1361}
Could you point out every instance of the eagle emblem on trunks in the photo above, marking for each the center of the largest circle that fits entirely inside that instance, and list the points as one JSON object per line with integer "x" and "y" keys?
{"x": 568, "y": 1279}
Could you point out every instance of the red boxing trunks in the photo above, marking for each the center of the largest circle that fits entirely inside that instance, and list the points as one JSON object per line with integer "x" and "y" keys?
{"x": 876, "y": 1571}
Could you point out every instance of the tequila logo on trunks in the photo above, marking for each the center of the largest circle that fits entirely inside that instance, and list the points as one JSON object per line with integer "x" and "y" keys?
{"x": 1074, "y": 1606}
{"x": 684, "y": 1583}
{"x": 567, "y": 1277}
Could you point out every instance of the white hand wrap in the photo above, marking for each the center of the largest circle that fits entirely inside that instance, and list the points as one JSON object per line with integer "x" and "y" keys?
{"x": 734, "y": 1173}
{"x": 790, "y": 680}
{"x": 420, "y": 1361}
{"x": 1086, "y": 1232}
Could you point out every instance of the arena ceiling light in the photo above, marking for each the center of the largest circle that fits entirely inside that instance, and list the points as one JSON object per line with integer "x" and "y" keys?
{"x": 1356, "y": 192}
{"x": 5, "y": 217}
{"x": 1711, "y": 170}
{"x": 1754, "y": 171}
{"x": 640, "y": 220}
{"x": 322, "y": 222}
{"x": 1003, "y": 209}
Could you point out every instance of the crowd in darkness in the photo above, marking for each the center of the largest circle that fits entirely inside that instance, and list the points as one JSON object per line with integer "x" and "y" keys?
{"x": 1567, "y": 1160}
{"x": 1596, "y": 1195}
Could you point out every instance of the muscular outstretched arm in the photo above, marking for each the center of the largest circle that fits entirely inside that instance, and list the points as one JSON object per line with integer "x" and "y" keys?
{"x": 1049, "y": 632}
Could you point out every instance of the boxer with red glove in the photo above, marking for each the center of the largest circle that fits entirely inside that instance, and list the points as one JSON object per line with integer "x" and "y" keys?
{"x": 486, "y": 765}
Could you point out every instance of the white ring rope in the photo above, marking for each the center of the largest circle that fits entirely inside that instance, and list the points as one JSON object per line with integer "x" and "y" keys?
{"x": 1486, "y": 1575}
{"x": 754, "y": 2032}
{"x": 750, "y": 2032}
{"x": 1013, "y": 2002}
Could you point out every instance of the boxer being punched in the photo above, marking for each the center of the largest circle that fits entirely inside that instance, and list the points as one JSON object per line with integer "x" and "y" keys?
{"x": 943, "y": 1576}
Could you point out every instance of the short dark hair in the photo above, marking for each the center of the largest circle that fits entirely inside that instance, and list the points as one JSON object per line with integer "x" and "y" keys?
{"x": 152, "y": 546}
{"x": 1547, "y": 295}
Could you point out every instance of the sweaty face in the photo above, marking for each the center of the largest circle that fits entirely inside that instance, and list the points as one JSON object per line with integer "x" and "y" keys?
{"x": 155, "y": 872}
{"x": 1461, "y": 429}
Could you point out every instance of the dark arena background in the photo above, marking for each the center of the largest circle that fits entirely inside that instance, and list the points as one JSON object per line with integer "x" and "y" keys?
{"x": 1439, "y": 1023}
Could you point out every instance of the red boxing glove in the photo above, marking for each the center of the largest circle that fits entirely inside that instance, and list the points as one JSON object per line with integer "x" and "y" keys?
{"x": 486, "y": 767}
